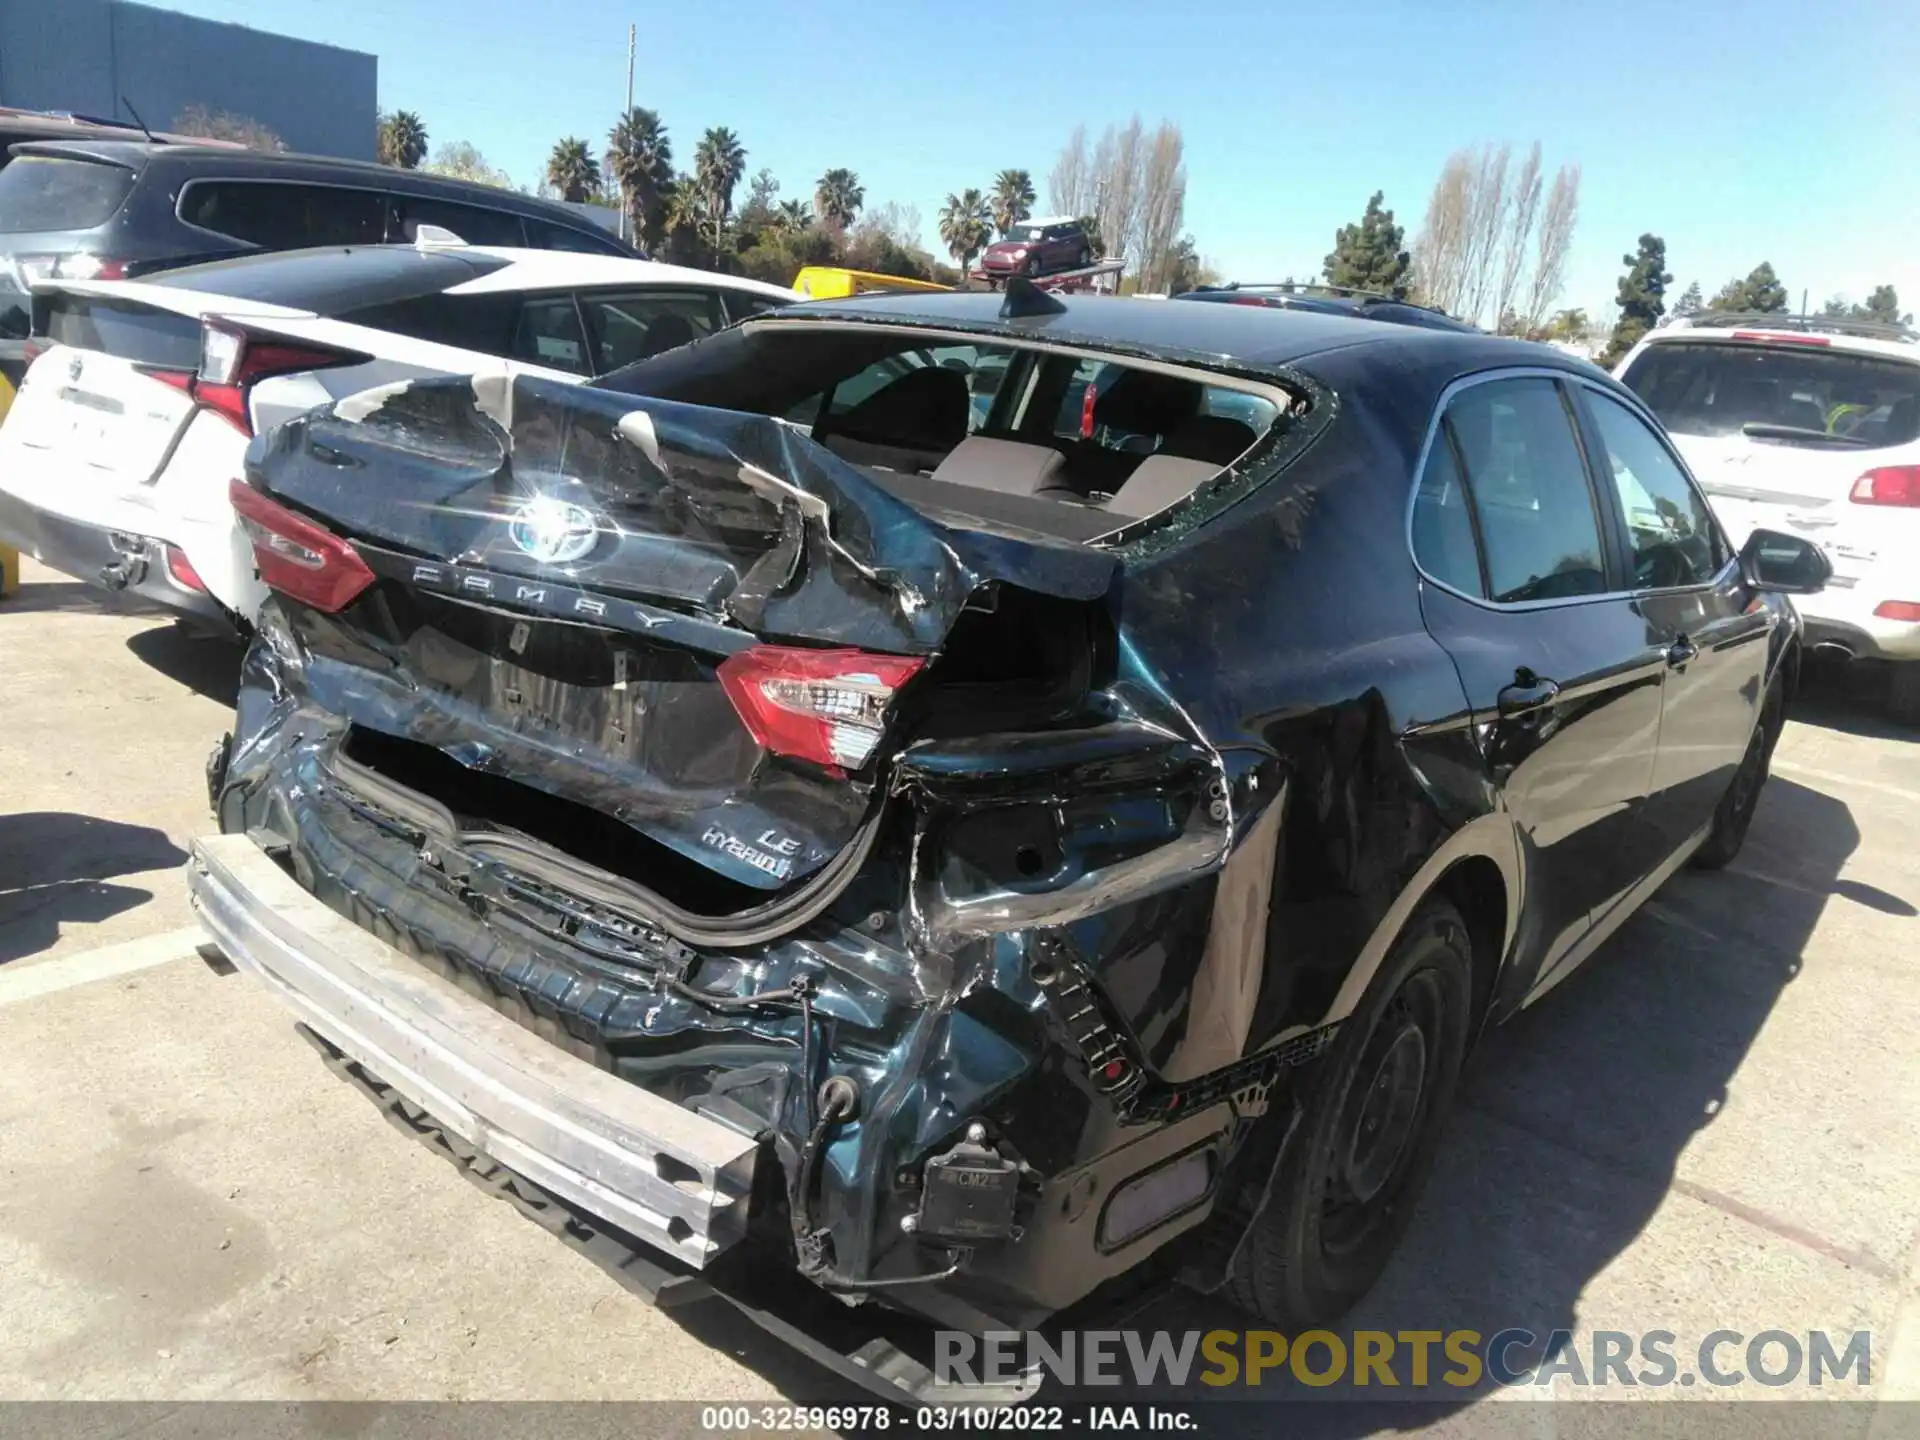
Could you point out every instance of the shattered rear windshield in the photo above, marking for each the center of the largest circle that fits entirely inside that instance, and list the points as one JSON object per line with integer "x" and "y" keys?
{"x": 1060, "y": 443}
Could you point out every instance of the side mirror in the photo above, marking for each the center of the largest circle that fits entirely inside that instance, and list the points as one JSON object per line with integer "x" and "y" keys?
{"x": 1784, "y": 564}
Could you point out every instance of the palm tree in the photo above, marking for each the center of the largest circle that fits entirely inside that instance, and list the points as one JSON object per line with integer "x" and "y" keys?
{"x": 640, "y": 162}
{"x": 572, "y": 170}
{"x": 791, "y": 216}
{"x": 838, "y": 196}
{"x": 1012, "y": 199}
{"x": 965, "y": 226}
{"x": 403, "y": 140}
{"x": 719, "y": 162}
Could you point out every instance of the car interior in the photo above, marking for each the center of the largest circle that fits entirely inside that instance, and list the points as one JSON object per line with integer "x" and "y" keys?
{"x": 1049, "y": 441}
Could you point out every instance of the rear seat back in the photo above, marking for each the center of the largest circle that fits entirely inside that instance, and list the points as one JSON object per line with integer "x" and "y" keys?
{"x": 1004, "y": 466}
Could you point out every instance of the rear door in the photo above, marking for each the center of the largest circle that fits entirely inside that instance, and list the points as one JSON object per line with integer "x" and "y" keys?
{"x": 1696, "y": 603}
{"x": 1560, "y": 668}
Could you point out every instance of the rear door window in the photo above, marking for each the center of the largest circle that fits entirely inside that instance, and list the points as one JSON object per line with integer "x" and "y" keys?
{"x": 1443, "y": 538}
{"x": 486, "y": 323}
{"x": 1779, "y": 392}
{"x": 39, "y": 193}
{"x": 544, "y": 236}
{"x": 549, "y": 334}
{"x": 1674, "y": 539}
{"x": 1529, "y": 488}
{"x": 283, "y": 215}
{"x": 742, "y": 303}
{"x": 472, "y": 223}
{"x": 631, "y": 325}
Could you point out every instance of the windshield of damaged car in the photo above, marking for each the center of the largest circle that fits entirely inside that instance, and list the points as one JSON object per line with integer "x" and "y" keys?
{"x": 1025, "y": 234}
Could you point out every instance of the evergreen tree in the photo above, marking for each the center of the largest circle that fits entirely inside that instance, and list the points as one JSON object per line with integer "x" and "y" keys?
{"x": 1760, "y": 293}
{"x": 1368, "y": 255}
{"x": 1884, "y": 306}
{"x": 1641, "y": 297}
{"x": 1690, "y": 301}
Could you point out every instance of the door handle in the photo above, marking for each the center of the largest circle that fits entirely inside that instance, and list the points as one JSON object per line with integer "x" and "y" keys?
{"x": 1527, "y": 692}
{"x": 1681, "y": 651}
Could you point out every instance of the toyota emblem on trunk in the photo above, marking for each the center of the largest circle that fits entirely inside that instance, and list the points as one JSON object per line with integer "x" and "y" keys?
{"x": 553, "y": 531}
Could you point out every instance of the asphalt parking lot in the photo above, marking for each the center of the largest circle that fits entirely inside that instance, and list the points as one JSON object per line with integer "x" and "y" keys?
{"x": 1710, "y": 1127}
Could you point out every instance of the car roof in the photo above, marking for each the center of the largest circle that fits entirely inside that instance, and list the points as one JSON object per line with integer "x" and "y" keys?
{"x": 1258, "y": 337}
{"x": 553, "y": 269}
{"x": 328, "y": 279}
{"x": 1895, "y": 342}
{"x": 241, "y": 163}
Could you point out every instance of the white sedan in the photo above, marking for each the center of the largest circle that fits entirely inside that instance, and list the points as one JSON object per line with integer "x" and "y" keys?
{"x": 141, "y": 396}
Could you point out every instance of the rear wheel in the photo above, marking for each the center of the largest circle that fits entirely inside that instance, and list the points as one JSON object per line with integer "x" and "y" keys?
{"x": 1735, "y": 811}
{"x": 1372, "y": 1121}
{"x": 1903, "y": 692}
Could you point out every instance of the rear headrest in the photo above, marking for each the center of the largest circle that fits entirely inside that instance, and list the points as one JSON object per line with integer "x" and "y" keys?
{"x": 1157, "y": 482}
{"x": 1004, "y": 466}
{"x": 1219, "y": 439}
{"x": 667, "y": 332}
{"x": 925, "y": 409}
{"x": 1145, "y": 402}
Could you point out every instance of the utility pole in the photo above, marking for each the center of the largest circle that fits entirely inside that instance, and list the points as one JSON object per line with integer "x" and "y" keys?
{"x": 626, "y": 204}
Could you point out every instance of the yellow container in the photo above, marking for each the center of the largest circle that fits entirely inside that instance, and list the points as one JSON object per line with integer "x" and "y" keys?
{"x": 830, "y": 282}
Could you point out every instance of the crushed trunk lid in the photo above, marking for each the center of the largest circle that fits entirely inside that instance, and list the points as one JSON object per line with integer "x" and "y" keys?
{"x": 569, "y": 570}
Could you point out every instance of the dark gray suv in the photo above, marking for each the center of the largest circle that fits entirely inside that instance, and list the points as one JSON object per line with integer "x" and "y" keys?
{"x": 111, "y": 209}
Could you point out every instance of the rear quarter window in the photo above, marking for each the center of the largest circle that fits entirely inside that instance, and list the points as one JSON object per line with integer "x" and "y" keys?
{"x": 40, "y": 192}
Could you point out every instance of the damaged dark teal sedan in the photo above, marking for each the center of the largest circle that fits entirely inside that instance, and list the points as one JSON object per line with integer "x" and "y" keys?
{"x": 951, "y": 798}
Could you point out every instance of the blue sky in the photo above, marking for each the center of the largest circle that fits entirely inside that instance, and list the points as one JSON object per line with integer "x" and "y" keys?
{"x": 1740, "y": 130}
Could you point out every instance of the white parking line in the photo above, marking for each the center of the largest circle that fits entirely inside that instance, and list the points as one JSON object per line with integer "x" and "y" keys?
{"x": 1834, "y": 777}
{"x": 29, "y": 982}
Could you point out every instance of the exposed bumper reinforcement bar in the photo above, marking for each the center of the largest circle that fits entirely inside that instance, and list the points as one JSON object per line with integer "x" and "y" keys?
{"x": 673, "y": 1179}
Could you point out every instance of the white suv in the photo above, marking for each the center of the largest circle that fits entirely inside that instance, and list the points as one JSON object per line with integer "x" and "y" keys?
{"x": 1809, "y": 426}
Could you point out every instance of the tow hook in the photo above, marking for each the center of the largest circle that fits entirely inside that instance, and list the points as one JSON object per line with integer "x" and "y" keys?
{"x": 130, "y": 568}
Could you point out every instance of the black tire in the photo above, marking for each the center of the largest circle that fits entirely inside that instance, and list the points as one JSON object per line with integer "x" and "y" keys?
{"x": 1372, "y": 1120}
{"x": 1903, "y": 692}
{"x": 1086, "y": 258}
{"x": 1735, "y": 812}
{"x": 1033, "y": 265}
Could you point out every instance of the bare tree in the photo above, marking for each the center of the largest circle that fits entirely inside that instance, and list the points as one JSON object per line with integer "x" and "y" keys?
{"x": 1070, "y": 184}
{"x": 1522, "y": 207}
{"x": 1551, "y": 244}
{"x": 1487, "y": 204}
{"x": 1491, "y": 248}
{"x": 1439, "y": 252}
{"x": 1163, "y": 206}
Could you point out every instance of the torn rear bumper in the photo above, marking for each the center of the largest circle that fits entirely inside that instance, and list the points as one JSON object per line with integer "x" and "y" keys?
{"x": 676, "y": 1180}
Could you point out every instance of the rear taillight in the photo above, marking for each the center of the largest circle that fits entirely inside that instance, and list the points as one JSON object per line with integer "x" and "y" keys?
{"x": 233, "y": 361}
{"x": 1888, "y": 485}
{"x": 32, "y": 349}
{"x": 297, "y": 557}
{"x": 85, "y": 265}
{"x": 1908, "y": 610}
{"x": 826, "y": 706}
{"x": 182, "y": 571}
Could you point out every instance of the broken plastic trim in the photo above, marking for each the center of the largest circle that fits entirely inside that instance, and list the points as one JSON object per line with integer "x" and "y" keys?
{"x": 744, "y": 928}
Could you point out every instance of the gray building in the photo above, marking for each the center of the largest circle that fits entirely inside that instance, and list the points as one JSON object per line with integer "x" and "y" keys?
{"x": 92, "y": 56}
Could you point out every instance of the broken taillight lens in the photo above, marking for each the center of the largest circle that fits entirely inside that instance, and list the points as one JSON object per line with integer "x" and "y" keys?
{"x": 297, "y": 557}
{"x": 826, "y": 706}
{"x": 232, "y": 362}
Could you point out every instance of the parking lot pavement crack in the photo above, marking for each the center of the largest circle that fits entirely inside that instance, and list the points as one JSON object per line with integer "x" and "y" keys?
{"x": 1852, "y": 1257}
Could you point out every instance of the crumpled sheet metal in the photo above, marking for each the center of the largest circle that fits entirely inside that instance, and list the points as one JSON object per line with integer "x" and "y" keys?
{"x": 735, "y": 516}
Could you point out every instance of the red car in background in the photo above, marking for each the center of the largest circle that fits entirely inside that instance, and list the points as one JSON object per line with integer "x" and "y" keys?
{"x": 1039, "y": 247}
